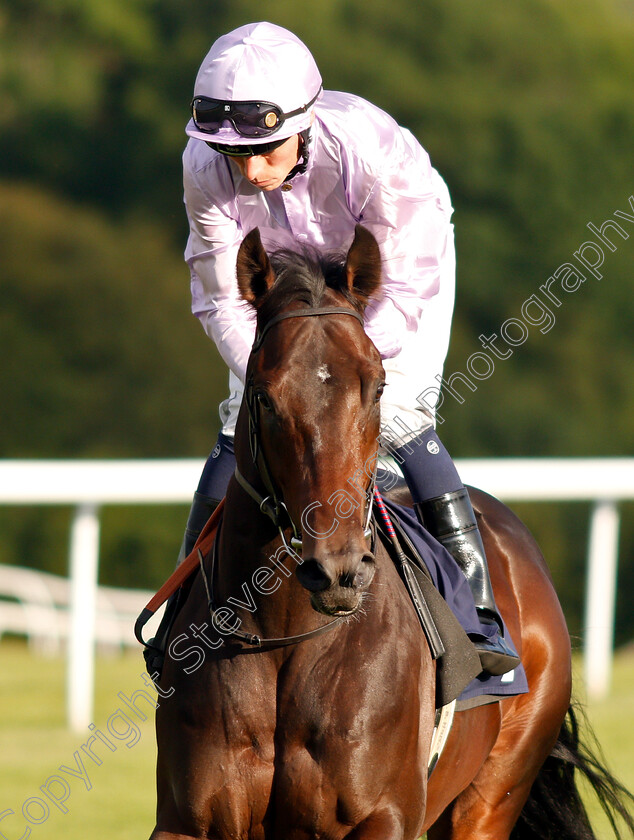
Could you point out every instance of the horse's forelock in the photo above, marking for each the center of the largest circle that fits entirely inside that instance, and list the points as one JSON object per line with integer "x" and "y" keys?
{"x": 303, "y": 275}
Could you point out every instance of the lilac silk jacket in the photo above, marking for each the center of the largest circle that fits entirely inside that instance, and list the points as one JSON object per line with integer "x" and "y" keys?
{"x": 362, "y": 167}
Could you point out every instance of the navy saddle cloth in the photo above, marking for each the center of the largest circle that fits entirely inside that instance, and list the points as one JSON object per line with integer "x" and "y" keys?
{"x": 452, "y": 585}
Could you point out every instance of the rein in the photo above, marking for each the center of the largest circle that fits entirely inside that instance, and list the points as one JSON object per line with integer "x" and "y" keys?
{"x": 252, "y": 639}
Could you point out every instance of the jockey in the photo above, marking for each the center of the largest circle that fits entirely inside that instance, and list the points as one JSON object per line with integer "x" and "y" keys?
{"x": 269, "y": 148}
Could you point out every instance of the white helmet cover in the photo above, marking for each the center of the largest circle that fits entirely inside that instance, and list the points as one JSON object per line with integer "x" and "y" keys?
{"x": 259, "y": 62}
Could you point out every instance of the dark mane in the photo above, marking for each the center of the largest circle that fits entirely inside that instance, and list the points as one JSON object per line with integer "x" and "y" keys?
{"x": 304, "y": 275}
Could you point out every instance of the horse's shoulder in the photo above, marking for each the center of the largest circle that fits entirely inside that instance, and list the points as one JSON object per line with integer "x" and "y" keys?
{"x": 495, "y": 514}
{"x": 507, "y": 540}
{"x": 496, "y": 521}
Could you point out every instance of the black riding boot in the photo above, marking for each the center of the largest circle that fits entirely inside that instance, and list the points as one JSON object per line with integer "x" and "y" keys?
{"x": 451, "y": 519}
{"x": 200, "y": 511}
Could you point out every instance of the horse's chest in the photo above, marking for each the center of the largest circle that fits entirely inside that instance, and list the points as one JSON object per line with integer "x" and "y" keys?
{"x": 339, "y": 735}
{"x": 308, "y": 745}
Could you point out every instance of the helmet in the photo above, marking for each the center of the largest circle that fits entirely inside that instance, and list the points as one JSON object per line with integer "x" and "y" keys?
{"x": 261, "y": 73}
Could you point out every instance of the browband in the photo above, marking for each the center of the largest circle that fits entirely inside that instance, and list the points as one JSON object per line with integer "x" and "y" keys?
{"x": 301, "y": 313}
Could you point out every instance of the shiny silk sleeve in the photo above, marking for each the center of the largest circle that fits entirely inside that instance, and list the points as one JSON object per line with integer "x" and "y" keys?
{"x": 212, "y": 247}
{"x": 408, "y": 210}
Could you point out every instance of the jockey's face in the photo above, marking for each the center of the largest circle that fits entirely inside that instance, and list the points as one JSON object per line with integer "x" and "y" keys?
{"x": 268, "y": 171}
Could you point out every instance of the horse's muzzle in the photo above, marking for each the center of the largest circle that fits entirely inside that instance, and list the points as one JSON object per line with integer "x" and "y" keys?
{"x": 337, "y": 592}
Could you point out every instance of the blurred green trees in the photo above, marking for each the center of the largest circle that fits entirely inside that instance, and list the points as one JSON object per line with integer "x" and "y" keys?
{"x": 525, "y": 108}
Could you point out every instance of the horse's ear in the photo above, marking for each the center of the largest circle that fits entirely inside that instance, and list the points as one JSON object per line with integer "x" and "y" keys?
{"x": 363, "y": 266}
{"x": 253, "y": 268}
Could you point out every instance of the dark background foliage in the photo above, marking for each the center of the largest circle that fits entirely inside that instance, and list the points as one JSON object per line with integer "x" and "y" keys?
{"x": 525, "y": 108}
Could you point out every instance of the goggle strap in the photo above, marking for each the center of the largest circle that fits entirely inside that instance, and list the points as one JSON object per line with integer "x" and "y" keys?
{"x": 304, "y": 108}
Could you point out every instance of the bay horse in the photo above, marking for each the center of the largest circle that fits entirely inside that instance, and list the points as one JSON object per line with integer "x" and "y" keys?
{"x": 297, "y": 696}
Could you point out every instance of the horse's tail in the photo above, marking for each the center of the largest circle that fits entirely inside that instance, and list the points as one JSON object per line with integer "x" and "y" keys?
{"x": 554, "y": 810}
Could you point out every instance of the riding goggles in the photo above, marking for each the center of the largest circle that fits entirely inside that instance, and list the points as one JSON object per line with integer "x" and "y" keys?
{"x": 249, "y": 119}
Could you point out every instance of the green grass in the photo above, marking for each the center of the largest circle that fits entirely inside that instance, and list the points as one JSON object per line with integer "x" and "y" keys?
{"x": 34, "y": 743}
{"x": 612, "y": 720}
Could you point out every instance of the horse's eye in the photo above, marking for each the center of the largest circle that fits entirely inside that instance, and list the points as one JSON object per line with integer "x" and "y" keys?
{"x": 379, "y": 391}
{"x": 263, "y": 399}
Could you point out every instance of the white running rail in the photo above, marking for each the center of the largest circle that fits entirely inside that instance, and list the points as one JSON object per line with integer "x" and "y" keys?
{"x": 87, "y": 485}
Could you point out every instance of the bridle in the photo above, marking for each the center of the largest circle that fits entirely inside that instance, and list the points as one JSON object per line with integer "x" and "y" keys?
{"x": 272, "y": 504}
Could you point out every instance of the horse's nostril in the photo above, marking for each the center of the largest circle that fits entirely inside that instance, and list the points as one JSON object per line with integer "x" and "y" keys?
{"x": 362, "y": 576}
{"x": 313, "y": 576}
{"x": 348, "y": 580}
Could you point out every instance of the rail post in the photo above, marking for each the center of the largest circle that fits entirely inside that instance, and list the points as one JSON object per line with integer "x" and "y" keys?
{"x": 84, "y": 564}
{"x": 603, "y": 548}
